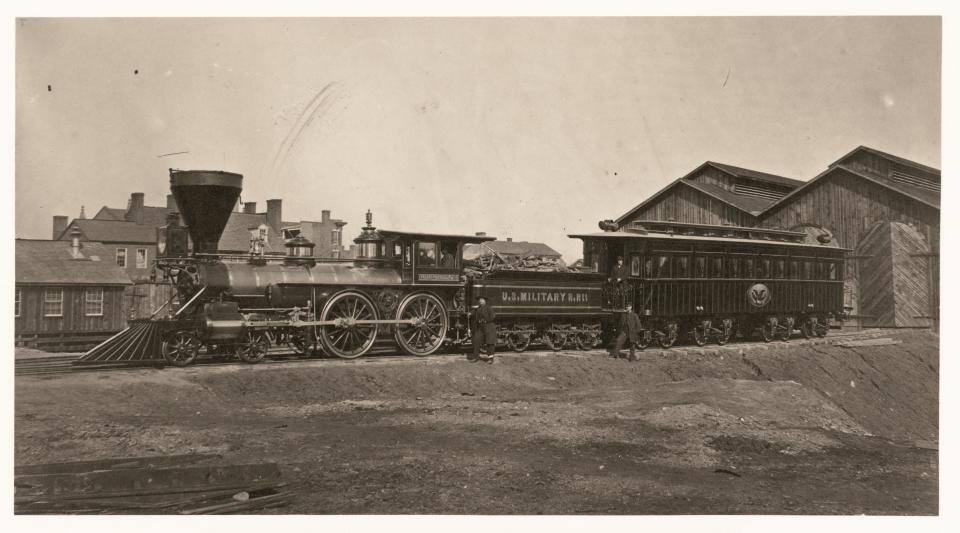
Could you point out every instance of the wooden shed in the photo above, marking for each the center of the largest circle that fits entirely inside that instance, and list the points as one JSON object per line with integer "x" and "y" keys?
{"x": 68, "y": 295}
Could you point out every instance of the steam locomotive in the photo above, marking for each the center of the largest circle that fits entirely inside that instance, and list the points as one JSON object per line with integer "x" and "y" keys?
{"x": 710, "y": 282}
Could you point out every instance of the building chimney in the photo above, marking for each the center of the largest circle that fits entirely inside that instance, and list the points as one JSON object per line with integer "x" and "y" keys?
{"x": 171, "y": 203}
{"x": 325, "y": 216}
{"x": 83, "y": 212}
{"x": 274, "y": 218}
{"x": 509, "y": 239}
{"x": 59, "y": 224}
{"x": 75, "y": 242}
{"x": 481, "y": 234}
{"x": 135, "y": 210}
{"x": 250, "y": 208}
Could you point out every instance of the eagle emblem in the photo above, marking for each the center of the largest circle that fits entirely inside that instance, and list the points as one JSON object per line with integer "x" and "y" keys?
{"x": 758, "y": 295}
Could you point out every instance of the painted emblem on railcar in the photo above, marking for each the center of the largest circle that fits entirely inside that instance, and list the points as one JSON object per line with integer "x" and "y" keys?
{"x": 758, "y": 295}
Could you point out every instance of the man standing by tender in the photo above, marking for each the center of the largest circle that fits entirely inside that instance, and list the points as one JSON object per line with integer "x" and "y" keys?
{"x": 484, "y": 332}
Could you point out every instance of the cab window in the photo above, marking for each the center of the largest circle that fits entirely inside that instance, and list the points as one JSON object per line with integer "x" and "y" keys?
{"x": 448, "y": 254}
{"x": 427, "y": 254}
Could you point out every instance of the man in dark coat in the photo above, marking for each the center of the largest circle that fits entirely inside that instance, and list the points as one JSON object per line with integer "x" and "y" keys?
{"x": 484, "y": 332}
{"x": 630, "y": 331}
{"x": 617, "y": 276}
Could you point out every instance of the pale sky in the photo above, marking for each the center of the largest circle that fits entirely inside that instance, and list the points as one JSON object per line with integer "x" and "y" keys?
{"x": 523, "y": 128}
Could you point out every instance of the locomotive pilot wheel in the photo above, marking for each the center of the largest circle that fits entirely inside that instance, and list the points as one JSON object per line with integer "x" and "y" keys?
{"x": 428, "y": 329}
{"x": 180, "y": 348}
{"x": 347, "y": 339}
{"x": 253, "y": 347}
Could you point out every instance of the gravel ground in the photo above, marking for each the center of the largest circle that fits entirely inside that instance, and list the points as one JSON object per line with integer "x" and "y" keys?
{"x": 771, "y": 429}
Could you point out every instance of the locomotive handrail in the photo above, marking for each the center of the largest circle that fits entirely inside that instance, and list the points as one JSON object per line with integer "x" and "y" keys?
{"x": 190, "y": 301}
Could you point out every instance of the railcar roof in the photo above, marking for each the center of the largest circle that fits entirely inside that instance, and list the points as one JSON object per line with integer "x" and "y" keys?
{"x": 391, "y": 234}
{"x": 696, "y": 238}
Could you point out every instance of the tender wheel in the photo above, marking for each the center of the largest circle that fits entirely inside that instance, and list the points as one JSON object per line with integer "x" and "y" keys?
{"x": 347, "y": 339}
{"x": 555, "y": 340}
{"x": 253, "y": 347}
{"x": 726, "y": 331}
{"x": 518, "y": 342}
{"x": 669, "y": 337}
{"x": 429, "y": 328}
{"x": 180, "y": 348}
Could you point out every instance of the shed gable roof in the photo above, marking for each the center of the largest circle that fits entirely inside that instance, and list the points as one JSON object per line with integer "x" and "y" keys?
{"x": 52, "y": 263}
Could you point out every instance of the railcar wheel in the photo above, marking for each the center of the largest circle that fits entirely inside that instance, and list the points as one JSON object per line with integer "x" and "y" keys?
{"x": 644, "y": 340}
{"x": 726, "y": 331}
{"x": 347, "y": 339}
{"x": 806, "y": 328}
{"x": 820, "y": 328}
{"x": 253, "y": 347}
{"x": 180, "y": 348}
{"x": 587, "y": 340}
{"x": 787, "y": 329}
{"x": 699, "y": 333}
{"x": 669, "y": 337}
{"x": 768, "y": 329}
{"x": 518, "y": 342}
{"x": 428, "y": 330}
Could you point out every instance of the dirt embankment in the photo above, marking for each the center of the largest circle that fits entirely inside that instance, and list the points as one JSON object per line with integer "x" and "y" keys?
{"x": 798, "y": 428}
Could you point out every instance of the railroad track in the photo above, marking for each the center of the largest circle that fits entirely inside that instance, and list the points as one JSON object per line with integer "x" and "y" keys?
{"x": 387, "y": 352}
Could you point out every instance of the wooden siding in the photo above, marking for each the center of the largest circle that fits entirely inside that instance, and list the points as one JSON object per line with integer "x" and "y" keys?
{"x": 850, "y": 207}
{"x": 31, "y": 320}
{"x": 723, "y": 297}
{"x": 142, "y": 299}
{"x": 716, "y": 177}
{"x": 875, "y": 278}
{"x": 684, "y": 204}
{"x": 911, "y": 282}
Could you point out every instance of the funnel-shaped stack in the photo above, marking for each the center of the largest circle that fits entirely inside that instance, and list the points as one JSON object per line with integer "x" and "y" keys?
{"x": 205, "y": 199}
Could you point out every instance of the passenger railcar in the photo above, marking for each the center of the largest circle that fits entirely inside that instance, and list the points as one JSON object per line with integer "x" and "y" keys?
{"x": 712, "y": 281}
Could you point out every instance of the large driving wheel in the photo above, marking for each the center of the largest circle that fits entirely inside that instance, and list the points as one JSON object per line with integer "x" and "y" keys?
{"x": 428, "y": 329}
{"x": 180, "y": 348}
{"x": 346, "y": 338}
{"x": 253, "y": 348}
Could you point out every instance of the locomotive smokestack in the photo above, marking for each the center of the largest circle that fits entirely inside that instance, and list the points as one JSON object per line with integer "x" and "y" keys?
{"x": 206, "y": 199}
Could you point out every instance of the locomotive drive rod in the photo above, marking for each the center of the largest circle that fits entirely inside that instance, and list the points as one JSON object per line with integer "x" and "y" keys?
{"x": 276, "y": 323}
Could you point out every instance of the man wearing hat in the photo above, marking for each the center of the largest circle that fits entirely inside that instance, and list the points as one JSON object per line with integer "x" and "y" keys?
{"x": 630, "y": 331}
{"x": 484, "y": 331}
{"x": 617, "y": 276}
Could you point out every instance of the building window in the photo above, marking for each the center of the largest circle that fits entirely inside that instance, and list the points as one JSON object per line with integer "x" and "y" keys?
{"x": 53, "y": 302}
{"x": 141, "y": 258}
{"x": 122, "y": 257}
{"x": 16, "y": 302}
{"x": 93, "y": 302}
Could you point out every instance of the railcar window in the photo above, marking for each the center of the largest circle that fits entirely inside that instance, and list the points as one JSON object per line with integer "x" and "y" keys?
{"x": 427, "y": 254}
{"x": 832, "y": 271}
{"x": 699, "y": 266}
{"x": 733, "y": 267}
{"x": 716, "y": 267}
{"x": 635, "y": 265}
{"x": 648, "y": 267}
{"x": 663, "y": 266}
{"x": 763, "y": 268}
{"x": 682, "y": 267}
{"x": 794, "y": 269}
{"x": 779, "y": 269}
{"x": 819, "y": 272}
{"x": 806, "y": 270}
{"x": 748, "y": 270}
